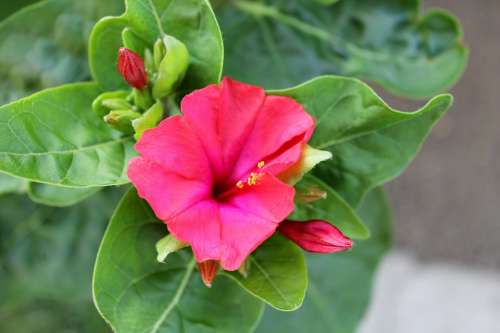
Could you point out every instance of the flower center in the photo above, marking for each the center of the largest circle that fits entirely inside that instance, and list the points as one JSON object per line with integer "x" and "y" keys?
{"x": 221, "y": 191}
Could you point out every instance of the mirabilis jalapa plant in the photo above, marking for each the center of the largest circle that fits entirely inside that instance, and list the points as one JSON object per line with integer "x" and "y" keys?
{"x": 229, "y": 179}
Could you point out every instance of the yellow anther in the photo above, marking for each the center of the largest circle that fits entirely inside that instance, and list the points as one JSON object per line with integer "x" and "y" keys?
{"x": 261, "y": 164}
{"x": 253, "y": 178}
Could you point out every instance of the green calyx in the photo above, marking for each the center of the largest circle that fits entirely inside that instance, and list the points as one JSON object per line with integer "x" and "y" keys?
{"x": 148, "y": 120}
{"x": 167, "y": 245}
{"x": 171, "y": 61}
{"x": 101, "y": 105}
{"x": 142, "y": 99}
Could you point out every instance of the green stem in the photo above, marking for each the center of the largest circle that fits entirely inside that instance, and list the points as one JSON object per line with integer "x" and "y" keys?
{"x": 177, "y": 296}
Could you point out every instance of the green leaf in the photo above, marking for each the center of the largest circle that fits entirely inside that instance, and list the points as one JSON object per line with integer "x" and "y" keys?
{"x": 46, "y": 258}
{"x": 135, "y": 293}
{"x": 58, "y": 196}
{"x": 371, "y": 143}
{"x": 277, "y": 274}
{"x": 105, "y": 40}
{"x": 332, "y": 209}
{"x": 9, "y": 7}
{"x": 326, "y": 2}
{"x": 54, "y": 137}
{"x": 10, "y": 184}
{"x": 339, "y": 284}
{"x": 44, "y": 45}
{"x": 190, "y": 21}
{"x": 389, "y": 42}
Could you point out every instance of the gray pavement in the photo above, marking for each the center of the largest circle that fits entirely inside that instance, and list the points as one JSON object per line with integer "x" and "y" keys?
{"x": 436, "y": 297}
{"x": 447, "y": 204}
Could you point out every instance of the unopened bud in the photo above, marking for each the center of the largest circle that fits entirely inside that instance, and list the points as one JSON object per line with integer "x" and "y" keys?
{"x": 149, "y": 62}
{"x": 131, "y": 67}
{"x": 208, "y": 271}
{"x": 167, "y": 245}
{"x": 98, "y": 105}
{"x": 148, "y": 120}
{"x": 310, "y": 194}
{"x": 171, "y": 57}
{"x": 116, "y": 104}
{"x": 315, "y": 236}
{"x": 121, "y": 120}
{"x": 143, "y": 99}
{"x": 159, "y": 52}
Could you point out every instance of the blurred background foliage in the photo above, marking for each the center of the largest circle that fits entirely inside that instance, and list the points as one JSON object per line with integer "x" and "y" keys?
{"x": 47, "y": 255}
{"x": 9, "y": 7}
{"x": 45, "y": 44}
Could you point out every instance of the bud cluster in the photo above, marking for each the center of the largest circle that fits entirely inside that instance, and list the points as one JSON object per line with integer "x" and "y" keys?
{"x": 152, "y": 79}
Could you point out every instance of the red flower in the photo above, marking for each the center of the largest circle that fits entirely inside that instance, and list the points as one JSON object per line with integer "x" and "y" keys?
{"x": 315, "y": 236}
{"x": 131, "y": 67}
{"x": 211, "y": 173}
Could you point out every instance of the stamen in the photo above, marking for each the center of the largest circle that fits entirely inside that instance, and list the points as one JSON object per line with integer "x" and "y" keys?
{"x": 252, "y": 180}
{"x": 261, "y": 164}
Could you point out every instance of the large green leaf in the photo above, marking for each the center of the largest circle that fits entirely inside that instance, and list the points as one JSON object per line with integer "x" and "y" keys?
{"x": 371, "y": 143}
{"x": 10, "y": 184}
{"x": 332, "y": 209}
{"x": 191, "y": 21}
{"x": 339, "y": 284}
{"x": 44, "y": 45}
{"x": 282, "y": 43}
{"x": 135, "y": 293}
{"x": 58, "y": 196}
{"x": 54, "y": 137}
{"x": 46, "y": 258}
{"x": 276, "y": 273}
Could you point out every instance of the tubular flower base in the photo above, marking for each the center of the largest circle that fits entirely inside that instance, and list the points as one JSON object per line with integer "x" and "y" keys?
{"x": 315, "y": 236}
{"x": 131, "y": 67}
{"x": 211, "y": 174}
{"x": 208, "y": 271}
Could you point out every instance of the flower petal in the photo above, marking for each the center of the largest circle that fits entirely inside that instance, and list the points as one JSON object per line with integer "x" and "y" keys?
{"x": 199, "y": 225}
{"x": 166, "y": 192}
{"x": 280, "y": 132}
{"x": 175, "y": 147}
{"x": 242, "y": 232}
{"x": 251, "y": 216}
{"x": 224, "y": 116}
{"x": 270, "y": 199}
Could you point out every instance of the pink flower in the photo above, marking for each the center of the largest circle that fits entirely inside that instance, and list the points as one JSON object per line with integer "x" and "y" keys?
{"x": 211, "y": 173}
{"x": 131, "y": 67}
{"x": 315, "y": 236}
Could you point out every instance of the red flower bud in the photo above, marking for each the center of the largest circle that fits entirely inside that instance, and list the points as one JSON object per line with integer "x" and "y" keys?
{"x": 208, "y": 270}
{"x": 131, "y": 67}
{"x": 315, "y": 236}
